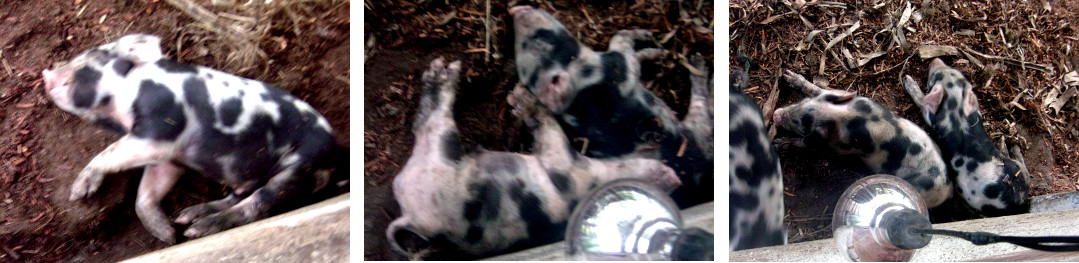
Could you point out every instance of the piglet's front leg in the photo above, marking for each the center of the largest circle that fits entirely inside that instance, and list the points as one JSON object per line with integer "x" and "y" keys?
{"x": 128, "y": 152}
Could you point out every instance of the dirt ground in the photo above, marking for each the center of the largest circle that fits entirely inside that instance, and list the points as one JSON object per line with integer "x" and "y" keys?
{"x": 769, "y": 34}
{"x": 404, "y": 36}
{"x": 42, "y": 147}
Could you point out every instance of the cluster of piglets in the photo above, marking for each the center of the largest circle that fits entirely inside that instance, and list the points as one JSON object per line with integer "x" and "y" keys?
{"x": 469, "y": 203}
{"x": 264, "y": 144}
{"x": 989, "y": 181}
{"x": 843, "y": 123}
{"x": 599, "y": 97}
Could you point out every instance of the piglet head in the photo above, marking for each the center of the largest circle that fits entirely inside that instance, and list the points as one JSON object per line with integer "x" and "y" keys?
{"x": 546, "y": 56}
{"x": 76, "y": 86}
{"x": 816, "y": 116}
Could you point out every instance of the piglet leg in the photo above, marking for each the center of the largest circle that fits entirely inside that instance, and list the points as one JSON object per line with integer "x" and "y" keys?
{"x": 157, "y": 180}
{"x": 201, "y": 210}
{"x": 915, "y": 93}
{"x": 699, "y": 118}
{"x": 128, "y": 152}
{"x": 551, "y": 145}
{"x": 287, "y": 183}
{"x": 623, "y": 40}
{"x": 799, "y": 82}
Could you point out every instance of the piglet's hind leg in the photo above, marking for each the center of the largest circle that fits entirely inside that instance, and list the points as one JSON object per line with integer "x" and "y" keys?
{"x": 699, "y": 117}
{"x": 197, "y": 211}
{"x": 157, "y": 180}
{"x": 290, "y": 179}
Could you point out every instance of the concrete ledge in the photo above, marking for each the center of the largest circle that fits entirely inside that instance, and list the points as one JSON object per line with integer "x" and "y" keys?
{"x": 944, "y": 248}
{"x": 702, "y": 216}
{"x": 315, "y": 233}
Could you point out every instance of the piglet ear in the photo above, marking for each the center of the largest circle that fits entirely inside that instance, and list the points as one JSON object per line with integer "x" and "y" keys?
{"x": 933, "y": 99}
{"x": 847, "y": 97}
{"x": 970, "y": 104}
{"x": 840, "y": 97}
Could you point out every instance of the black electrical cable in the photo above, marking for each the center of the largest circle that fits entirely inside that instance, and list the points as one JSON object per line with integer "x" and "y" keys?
{"x": 1071, "y": 243}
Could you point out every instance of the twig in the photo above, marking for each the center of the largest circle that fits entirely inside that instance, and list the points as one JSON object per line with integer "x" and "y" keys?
{"x": 814, "y": 218}
{"x": 773, "y": 97}
{"x": 14, "y": 254}
{"x": 487, "y": 32}
{"x": 1012, "y": 61}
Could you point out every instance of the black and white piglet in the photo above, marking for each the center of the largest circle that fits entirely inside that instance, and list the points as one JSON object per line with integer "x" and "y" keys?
{"x": 484, "y": 202}
{"x": 261, "y": 142}
{"x": 598, "y": 96}
{"x": 989, "y": 181}
{"x": 756, "y": 180}
{"x": 846, "y": 123}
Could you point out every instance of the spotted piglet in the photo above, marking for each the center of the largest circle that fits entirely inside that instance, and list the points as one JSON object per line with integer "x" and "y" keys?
{"x": 845, "y": 123}
{"x": 598, "y": 96}
{"x": 264, "y": 144}
{"x": 989, "y": 181}
{"x": 463, "y": 204}
{"x": 756, "y": 180}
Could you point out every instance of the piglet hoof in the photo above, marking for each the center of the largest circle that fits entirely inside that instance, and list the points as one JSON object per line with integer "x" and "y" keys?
{"x": 212, "y": 224}
{"x": 85, "y": 184}
{"x": 700, "y": 82}
{"x": 194, "y": 212}
{"x": 440, "y": 72}
{"x": 164, "y": 233}
{"x": 636, "y": 34}
{"x": 651, "y": 54}
{"x": 524, "y": 105}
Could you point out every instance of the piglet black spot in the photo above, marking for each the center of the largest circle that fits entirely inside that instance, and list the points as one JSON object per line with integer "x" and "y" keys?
{"x": 951, "y": 104}
{"x": 530, "y": 209}
{"x": 563, "y": 47}
{"x": 474, "y": 234}
{"x": 451, "y": 146}
{"x": 84, "y": 86}
{"x": 122, "y": 66}
{"x": 229, "y": 111}
{"x": 831, "y": 98}
{"x": 487, "y": 201}
{"x": 560, "y": 180}
{"x": 860, "y": 138}
{"x": 863, "y": 107}
{"x": 172, "y": 66}
{"x": 615, "y": 69}
{"x": 937, "y": 77}
{"x": 971, "y": 166}
{"x": 807, "y": 122}
{"x": 958, "y": 162}
{"x": 992, "y": 191}
{"x": 915, "y": 149}
{"x": 973, "y": 118}
{"x": 897, "y": 149}
{"x": 159, "y": 116}
{"x": 587, "y": 72}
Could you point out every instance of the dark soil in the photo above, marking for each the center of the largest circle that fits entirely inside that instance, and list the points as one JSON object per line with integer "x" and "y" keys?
{"x": 767, "y": 32}
{"x": 404, "y": 36}
{"x": 42, "y": 147}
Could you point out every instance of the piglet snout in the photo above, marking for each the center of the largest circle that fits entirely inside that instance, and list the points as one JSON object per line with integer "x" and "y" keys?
{"x": 517, "y": 9}
{"x": 777, "y": 116}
